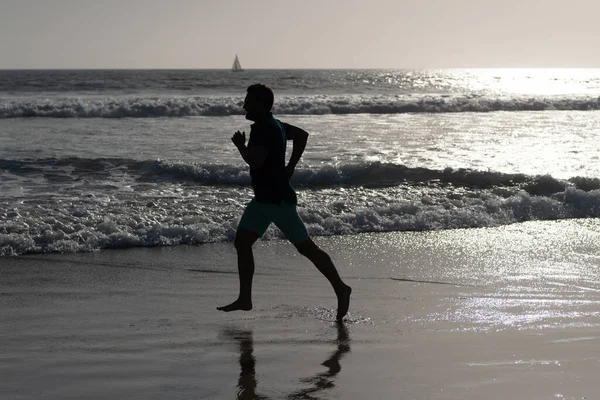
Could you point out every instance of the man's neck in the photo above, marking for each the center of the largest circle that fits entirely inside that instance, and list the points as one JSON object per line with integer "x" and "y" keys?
{"x": 262, "y": 118}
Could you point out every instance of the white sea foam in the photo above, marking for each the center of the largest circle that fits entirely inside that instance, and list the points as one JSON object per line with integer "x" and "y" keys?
{"x": 114, "y": 223}
{"x": 151, "y": 107}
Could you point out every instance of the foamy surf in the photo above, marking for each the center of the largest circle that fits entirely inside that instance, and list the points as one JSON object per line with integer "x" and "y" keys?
{"x": 124, "y": 220}
{"x": 192, "y": 106}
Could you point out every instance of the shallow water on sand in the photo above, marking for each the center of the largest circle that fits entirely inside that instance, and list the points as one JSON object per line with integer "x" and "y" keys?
{"x": 468, "y": 314}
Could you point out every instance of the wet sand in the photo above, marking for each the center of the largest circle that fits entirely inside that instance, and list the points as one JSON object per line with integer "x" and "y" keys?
{"x": 510, "y": 312}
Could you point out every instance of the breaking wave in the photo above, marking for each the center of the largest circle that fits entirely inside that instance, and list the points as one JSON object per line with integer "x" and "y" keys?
{"x": 87, "y": 227}
{"x": 334, "y": 200}
{"x": 368, "y": 174}
{"x": 153, "y": 107}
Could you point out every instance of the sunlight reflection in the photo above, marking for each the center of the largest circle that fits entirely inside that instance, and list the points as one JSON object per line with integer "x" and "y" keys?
{"x": 531, "y": 81}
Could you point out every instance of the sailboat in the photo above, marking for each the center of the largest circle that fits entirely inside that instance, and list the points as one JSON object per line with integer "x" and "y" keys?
{"x": 236, "y": 65}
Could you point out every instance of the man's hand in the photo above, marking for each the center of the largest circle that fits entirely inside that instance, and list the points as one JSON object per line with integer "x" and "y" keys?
{"x": 289, "y": 171}
{"x": 239, "y": 138}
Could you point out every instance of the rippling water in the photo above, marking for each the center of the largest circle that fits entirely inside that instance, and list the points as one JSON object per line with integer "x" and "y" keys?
{"x": 100, "y": 159}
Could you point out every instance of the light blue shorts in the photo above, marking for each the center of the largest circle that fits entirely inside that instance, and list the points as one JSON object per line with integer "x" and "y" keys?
{"x": 258, "y": 216}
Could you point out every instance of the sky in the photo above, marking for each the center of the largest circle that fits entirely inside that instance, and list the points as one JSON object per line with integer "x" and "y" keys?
{"x": 299, "y": 33}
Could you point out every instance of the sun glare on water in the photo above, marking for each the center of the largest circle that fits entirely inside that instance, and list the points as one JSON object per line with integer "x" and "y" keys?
{"x": 532, "y": 81}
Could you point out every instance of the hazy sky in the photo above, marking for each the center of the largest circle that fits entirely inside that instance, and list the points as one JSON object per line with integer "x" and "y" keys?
{"x": 299, "y": 33}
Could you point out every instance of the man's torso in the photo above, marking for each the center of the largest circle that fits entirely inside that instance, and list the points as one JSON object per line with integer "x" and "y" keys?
{"x": 270, "y": 181}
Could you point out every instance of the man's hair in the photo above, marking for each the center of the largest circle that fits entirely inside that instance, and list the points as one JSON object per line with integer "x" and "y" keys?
{"x": 263, "y": 93}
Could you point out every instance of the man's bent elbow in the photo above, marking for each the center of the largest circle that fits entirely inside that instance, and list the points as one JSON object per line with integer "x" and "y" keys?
{"x": 301, "y": 136}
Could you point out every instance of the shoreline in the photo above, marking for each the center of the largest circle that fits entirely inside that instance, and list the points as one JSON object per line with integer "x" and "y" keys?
{"x": 508, "y": 312}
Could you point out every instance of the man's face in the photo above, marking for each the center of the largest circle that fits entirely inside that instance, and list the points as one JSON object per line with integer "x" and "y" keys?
{"x": 252, "y": 107}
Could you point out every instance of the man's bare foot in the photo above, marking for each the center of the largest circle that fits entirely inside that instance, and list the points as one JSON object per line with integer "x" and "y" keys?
{"x": 343, "y": 302}
{"x": 237, "y": 305}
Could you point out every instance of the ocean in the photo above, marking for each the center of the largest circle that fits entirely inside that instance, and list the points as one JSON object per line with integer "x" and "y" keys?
{"x": 102, "y": 159}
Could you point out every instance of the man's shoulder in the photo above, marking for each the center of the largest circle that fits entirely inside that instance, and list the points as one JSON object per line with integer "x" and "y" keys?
{"x": 268, "y": 127}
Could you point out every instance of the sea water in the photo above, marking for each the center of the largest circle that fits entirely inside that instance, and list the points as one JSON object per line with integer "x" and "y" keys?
{"x": 98, "y": 159}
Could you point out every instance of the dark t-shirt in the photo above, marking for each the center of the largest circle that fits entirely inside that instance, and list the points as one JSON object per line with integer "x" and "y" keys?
{"x": 270, "y": 181}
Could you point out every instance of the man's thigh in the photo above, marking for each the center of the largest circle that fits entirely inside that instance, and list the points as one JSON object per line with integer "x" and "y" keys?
{"x": 286, "y": 218}
{"x": 254, "y": 219}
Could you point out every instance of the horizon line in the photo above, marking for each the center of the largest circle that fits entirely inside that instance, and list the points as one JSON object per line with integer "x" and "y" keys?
{"x": 269, "y": 69}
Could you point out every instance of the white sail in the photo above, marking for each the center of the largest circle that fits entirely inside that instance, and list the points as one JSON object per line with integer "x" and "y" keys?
{"x": 236, "y": 64}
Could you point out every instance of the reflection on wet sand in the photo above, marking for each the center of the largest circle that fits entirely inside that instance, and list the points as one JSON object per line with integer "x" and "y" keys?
{"x": 325, "y": 380}
{"x": 247, "y": 382}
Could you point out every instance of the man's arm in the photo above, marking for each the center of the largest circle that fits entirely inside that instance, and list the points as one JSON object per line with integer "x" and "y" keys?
{"x": 299, "y": 137}
{"x": 254, "y": 156}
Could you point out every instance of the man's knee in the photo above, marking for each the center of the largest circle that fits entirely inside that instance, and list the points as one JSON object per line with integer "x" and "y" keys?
{"x": 308, "y": 248}
{"x": 244, "y": 239}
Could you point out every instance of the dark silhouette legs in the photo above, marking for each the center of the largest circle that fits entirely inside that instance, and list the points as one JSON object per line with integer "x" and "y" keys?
{"x": 323, "y": 262}
{"x": 244, "y": 240}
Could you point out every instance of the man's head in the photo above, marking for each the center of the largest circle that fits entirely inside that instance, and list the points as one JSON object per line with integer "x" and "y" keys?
{"x": 258, "y": 101}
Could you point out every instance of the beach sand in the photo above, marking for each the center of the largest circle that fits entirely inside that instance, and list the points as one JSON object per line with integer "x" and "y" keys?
{"x": 500, "y": 313}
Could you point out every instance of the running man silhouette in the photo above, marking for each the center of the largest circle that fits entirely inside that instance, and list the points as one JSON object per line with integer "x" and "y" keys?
{"x": 274, "y": 197}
